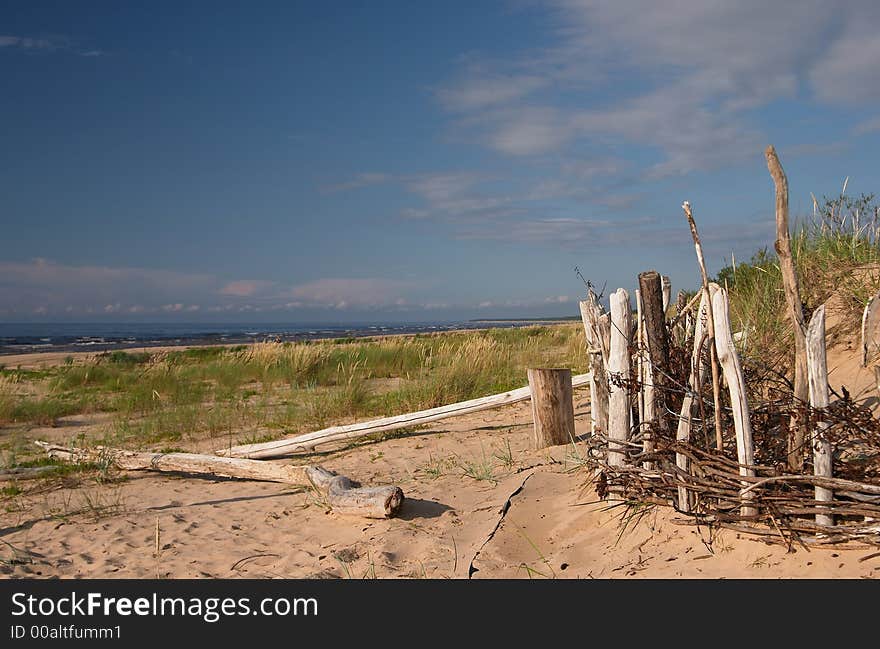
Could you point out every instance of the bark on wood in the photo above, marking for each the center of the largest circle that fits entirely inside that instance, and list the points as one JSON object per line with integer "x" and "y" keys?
{"x": 342, "y": 496}
{"x": 817, "y": 368}
{"x": 552, "y": 406}
{"x": 651, "y": 289}
{"x": 710, "y": 326}
{"x": 590, "y": 315}
{"x": 685, "y": 420}
{"x": 791, "y": 289}
{"x": 308, "y": 441}
{"x": 733, "y": 375}
{"x": 871, "y": 331}
{"x": 618, "y": 367}
{"x": 641, "y": 358}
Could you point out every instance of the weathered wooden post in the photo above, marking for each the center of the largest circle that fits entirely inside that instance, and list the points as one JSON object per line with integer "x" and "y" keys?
{"x": 791, "y": 289}
{"x": 618, "y": 367}
{"x": 552, "y": 406}
{"x": 729, "y": 360}
{"x": 657, "y": 367}
{"x": 596, "y": 349}
{"x": 817, "y": 369}
{"x": 685, "y": 420}
{"x": 646, "y": 387}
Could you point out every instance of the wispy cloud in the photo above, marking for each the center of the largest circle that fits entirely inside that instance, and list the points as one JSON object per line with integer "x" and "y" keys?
{"x": 41, "y": 286}
{"x": 47, "y": 44}
{"x": 701, "y": 69}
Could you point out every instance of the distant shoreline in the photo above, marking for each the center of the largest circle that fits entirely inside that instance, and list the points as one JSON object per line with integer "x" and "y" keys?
{"x": 33, "y": 358}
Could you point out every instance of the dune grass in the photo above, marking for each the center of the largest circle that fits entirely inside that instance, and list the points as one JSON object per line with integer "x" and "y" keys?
{"x": 837, "y": 255}
{"x": 266, "y": 390}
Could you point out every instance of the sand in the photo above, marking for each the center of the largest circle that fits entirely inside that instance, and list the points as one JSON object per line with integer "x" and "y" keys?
{"x": 535, "y": 518}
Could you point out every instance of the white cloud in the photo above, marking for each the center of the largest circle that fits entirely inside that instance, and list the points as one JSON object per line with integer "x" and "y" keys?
{"x": 677, "y": 77}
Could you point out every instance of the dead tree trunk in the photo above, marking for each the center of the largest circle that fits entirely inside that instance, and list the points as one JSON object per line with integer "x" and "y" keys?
{"x": 618, "y": 369}
{"x": 791, "y": 289}
{"x": 342, "y": 496}
{"x": 552, "y": 406}
{"x": 818, "y": 382}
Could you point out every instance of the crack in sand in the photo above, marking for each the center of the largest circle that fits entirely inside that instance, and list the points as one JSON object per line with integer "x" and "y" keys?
{"x": 504, "y": 509}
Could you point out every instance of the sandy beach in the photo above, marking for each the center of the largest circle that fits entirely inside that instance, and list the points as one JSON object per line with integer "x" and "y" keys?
{"x": 533, "y": 517}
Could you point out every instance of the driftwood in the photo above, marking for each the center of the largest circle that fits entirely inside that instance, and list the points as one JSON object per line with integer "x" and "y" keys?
{"x": 342, "y": 496}
{"x": 685, "y": 421}
{"x": 790, "y": 287}
{"x": 710, "y": 325}
{"x": 308, "y": 441}
{"x": 818, "y": 382}
{"x": 871, "y": 331}
{"x": 618, "y": 369}
{"x": 552, "y": 406}
{"x": 733, "y": 375}
{"x": 594, "y": 323}
{"x": 657, "y": 367}
{"x": 667, "y": 292}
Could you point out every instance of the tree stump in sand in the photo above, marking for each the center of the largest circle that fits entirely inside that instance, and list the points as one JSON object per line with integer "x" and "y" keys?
{"x": 552, "y": 406}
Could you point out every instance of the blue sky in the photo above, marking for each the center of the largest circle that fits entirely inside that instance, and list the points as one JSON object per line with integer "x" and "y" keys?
{"x": 409, "y": 161}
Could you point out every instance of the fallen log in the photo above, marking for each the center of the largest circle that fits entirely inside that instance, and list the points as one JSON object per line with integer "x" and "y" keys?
{"x": 308, "y": 441}
{"x": 340, "y": 492}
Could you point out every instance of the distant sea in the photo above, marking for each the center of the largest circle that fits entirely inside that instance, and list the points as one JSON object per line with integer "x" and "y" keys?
{"x": 19, "y": 338}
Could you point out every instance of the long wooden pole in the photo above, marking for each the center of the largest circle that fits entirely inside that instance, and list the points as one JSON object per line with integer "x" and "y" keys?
{"x": 817, "y": 368}
{"x": 791, "y": 290}
{"x": 618, "y": 367}
{"x": 342, "y": 496}
{"x": 729, "y": 359}
{"x": 308, "y": 441}
{"x": 685, "y": 420}
{"x": 710, "y": 327}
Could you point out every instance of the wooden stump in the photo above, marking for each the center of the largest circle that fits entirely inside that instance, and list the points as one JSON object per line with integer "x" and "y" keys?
{"x": 552, "y": 406}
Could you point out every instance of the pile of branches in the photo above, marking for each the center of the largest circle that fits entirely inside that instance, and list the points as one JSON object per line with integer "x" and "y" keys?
{"x": 784, "y": 503}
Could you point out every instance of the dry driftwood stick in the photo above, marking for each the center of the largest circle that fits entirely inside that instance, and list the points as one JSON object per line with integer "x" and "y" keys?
{"x": 342, "y": 496}
{"x": 710, "y": 326}
{"x": 791, "y": 289}
{"x": 729, "y": 359}
{"x": 618, "y": 366}
{"x": 817, "y": 368}
{"x": 683, "y": 434}
{"x": 308, "y": 441}
{"x": 552, "y": 406}
{"x": 590, "y": 315}
{"x": 871, "y": 331}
